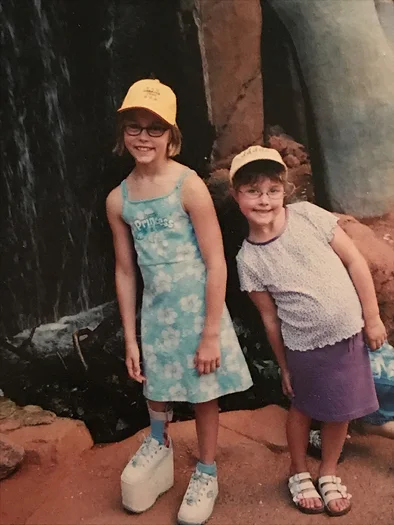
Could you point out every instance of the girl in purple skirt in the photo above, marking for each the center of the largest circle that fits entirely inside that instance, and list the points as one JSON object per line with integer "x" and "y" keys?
{"x": 317, "y": 301}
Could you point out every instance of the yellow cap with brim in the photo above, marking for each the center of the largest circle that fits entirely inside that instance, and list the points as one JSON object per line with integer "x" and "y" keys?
{"x": 154, "y": 96}
{"x": 252, "y": 154}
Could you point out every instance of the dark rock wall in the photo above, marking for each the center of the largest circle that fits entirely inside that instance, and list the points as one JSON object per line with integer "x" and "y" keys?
{"x": 65, "y": 67}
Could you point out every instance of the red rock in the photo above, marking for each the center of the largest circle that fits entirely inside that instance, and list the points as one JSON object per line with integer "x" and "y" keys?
{"x": 49, "y": 444}
{"x": 232, "y": 74}
{"x": 291, "y": 161}
{"x": 11, "y": 456}
{"x": 266, "y": 425}
{"x": 252, "y": 484}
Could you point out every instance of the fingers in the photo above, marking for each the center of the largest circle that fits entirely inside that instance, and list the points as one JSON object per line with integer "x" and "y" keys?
{"x": 376, "y": 343}
{"x": 206, "y": 366}
{"x": 134, "y": 370}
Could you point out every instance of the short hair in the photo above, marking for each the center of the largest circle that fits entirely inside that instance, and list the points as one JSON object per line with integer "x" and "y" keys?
{"x": 173, "y": 148}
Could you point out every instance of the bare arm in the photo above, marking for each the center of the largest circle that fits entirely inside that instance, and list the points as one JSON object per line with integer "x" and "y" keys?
{"x": 269, "y": 314}
{"x": 362, "y": 279}
{"x": 125, "y": 279}
{"x": 198, "y": 204}
{"x": 267, "y": 309}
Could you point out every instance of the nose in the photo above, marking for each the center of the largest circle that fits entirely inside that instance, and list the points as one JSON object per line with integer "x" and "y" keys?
{"x": 144, "y": 134}
{"x": 264, "y": 199}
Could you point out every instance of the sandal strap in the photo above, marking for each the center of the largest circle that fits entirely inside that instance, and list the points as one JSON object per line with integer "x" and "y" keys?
{"x": 300, "y": 477}
{"x": 301, "y": 487}
{"x": 331, "y": 488}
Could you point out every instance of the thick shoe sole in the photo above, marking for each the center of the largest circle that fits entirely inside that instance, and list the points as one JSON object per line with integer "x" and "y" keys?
{"x": 183, "y": 521}
{"x": 139, "y": 497}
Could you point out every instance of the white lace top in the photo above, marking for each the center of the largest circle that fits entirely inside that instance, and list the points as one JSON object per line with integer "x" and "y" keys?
{"x": 315, "y": 297}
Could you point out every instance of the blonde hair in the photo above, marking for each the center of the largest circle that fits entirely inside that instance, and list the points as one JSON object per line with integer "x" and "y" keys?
{"x": 173, "y": 147}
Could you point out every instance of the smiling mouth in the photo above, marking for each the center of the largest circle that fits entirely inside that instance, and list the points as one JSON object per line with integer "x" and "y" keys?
{"x": 143, "y": 148}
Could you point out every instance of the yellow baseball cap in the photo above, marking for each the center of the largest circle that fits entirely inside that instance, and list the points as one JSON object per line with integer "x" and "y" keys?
{"x": 255, "y": 153}
{"x": 151, "y": 94}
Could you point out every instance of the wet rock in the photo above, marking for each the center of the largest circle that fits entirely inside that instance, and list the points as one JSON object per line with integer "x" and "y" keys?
{"x": 11, "y": 456}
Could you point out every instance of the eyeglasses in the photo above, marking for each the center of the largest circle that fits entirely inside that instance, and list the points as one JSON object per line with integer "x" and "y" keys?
{"x": 155, "y": 130}
{"x": 254, "y": 193}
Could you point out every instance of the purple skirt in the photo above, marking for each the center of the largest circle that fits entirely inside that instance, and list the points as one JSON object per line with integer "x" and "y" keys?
{"x": 333, "y": 383}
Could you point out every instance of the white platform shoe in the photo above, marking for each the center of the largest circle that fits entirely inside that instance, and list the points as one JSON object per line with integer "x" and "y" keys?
{"x": 199, "y": 499}
{"x": 148, "y": 474}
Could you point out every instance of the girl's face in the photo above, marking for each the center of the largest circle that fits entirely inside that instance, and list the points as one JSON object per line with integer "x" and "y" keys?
{"x": 146, "y": 136}
{"x": 262, "y": 202}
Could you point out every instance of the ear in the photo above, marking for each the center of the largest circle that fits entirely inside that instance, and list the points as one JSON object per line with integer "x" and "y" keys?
{"x": 233, "y": 193}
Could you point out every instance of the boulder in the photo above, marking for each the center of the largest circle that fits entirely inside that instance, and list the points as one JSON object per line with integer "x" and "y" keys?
{"x": 11, "y": 456}
{"x": 47, "y": 445}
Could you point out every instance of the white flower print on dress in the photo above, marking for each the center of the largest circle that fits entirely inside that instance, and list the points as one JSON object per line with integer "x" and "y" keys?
{"x": 173, "y": 198}
{"x": 190, "y": 303}
{"x": 186, "y": 251}
{"x": 176, "y": 219}
{"x": 196, "y": 270}
{"x": 190, "y": 361}
{"x": 143, "y": 328}
{"x": 166, "y": 315}
{"x": 140, "y": 215}
{"x": 209, "y": 385}
{"x": 162, "y": 282}
{"x": 198, "y": 324}
{"x": 173, "y": 371}
{"x": 231, "y": 362}
{"x": 147, "y": 300}
{"x": 177, "y": 391}
{"x": 160, "y": 243}
{"x": 228, "y": 338}
{"x": 170, "y": 338}
{"x": 150, "y": 362}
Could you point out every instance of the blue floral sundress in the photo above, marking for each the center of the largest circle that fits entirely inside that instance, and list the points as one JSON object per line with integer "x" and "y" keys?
{"x": 173, "y": 305}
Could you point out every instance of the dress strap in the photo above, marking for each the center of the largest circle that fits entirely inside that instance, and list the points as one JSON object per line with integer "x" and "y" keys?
{"x": 123, "y": 187}
{"x": 182, "y": 178}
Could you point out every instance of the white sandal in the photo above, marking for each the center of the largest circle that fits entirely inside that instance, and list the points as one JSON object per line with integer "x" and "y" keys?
{"x": 302, "y": 487}
{"x": 331, "y": 488}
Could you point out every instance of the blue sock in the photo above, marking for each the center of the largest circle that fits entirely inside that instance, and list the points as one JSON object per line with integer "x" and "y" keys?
{"x": 207, "y": 469}
{"x": 157, "y": 430}
{"x": 159, "y": 425}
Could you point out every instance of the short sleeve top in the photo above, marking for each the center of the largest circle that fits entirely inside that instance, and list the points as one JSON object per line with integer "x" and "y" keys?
{"x": 316, "y": 300}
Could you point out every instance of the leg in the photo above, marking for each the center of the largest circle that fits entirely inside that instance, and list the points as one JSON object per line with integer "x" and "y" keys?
{"x": 199, "y": 500}
{"x": 333, "y": 436}
{"x": 159, "y": 421}
{"x": 207, "y": 426}
{"x": 298, "y": 425}
{"x": 150, "y": 472}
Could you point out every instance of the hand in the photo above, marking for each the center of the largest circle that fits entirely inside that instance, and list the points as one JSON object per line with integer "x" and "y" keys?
{"x": 133, "y": 363}
{"x": 207, "y": 358}
{"x": 286, "y": 383}
{"x": 375, "y": 333}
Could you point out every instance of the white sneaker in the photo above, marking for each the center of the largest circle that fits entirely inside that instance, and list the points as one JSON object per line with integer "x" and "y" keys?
{"x": 149, "y": 473}
{"x": 199, "y": 500}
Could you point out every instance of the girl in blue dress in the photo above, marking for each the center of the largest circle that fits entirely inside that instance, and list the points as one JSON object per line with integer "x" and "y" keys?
{"x": 163, "y": 220}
